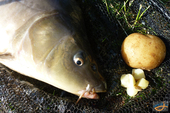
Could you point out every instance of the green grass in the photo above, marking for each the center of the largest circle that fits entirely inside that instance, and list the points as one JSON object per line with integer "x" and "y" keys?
{"x": 139, "y": 15}
{"x": 129, "y": 21}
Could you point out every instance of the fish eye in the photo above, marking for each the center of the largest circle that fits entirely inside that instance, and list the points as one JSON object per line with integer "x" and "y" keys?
{"x": 79, "y": 58}
{"x": 78, "y": 61}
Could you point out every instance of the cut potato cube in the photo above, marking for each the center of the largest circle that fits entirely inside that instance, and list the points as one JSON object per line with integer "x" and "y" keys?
{"x": 132, "y": 91}
{"x": 143, "y": 83}
{"x": 138, "y": 74}
{"x": 127, "y": 80}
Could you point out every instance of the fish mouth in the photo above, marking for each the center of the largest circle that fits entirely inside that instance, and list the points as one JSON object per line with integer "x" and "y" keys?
{"x": 87, "y": 94}
{"x": 91, "y": 93}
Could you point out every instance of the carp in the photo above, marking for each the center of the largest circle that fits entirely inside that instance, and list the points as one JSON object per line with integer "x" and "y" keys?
{"x": 46, "y": 40}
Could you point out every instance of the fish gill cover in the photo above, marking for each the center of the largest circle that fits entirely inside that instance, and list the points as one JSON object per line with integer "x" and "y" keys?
{"x": 20, "y": 94}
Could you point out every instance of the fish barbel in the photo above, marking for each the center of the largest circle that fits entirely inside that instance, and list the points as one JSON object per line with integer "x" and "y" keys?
{"x": 46, "y": 40}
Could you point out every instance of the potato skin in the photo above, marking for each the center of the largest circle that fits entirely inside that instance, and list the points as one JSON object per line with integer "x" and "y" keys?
{"x": 143, "y": 51}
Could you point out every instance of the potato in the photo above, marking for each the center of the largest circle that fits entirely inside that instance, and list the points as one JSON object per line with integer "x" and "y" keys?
{"x": 143, "y": 51}
{"x": 127, "y": 80}
{"x": 142, "y": 83}
{"x": 138, "y": 74}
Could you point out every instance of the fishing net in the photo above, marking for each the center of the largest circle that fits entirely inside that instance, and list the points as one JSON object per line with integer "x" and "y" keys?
{"x": 21, "y": 94}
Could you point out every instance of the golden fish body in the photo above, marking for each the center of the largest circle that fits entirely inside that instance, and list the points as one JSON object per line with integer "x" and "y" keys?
{"x": 45, "y": 40}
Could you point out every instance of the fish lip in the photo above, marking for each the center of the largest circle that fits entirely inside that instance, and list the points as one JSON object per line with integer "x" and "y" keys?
{"x": 88, "y": 94}
{"x": 91, "y": 93}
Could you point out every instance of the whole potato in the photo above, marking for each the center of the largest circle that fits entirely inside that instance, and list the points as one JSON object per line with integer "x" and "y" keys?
{"x": 143, "y": 51}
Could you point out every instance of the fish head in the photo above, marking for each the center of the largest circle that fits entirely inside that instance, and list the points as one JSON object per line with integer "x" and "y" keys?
{"x": 71, "y": 68}
{"x": 64, "y": 59}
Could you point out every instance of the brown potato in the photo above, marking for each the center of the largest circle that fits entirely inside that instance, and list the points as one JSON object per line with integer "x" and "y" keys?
{"x": 143, "y": 51}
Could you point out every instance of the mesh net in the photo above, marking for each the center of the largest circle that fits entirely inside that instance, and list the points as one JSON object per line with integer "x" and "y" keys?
{"x": 20, "y": 94}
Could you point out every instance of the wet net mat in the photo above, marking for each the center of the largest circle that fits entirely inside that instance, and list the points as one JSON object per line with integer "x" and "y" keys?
{"x": 20, "y": 94}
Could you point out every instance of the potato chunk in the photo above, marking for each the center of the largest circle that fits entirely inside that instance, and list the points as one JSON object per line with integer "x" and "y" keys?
{"x": 138, "y": 74}
{"x": 143, "y": 83}
{"x": 127, "y": 80}
{"x": 132, "y": 91}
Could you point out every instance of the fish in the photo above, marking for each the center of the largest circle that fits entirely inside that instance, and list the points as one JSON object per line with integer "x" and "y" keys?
{"x": 46, "y": 40}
